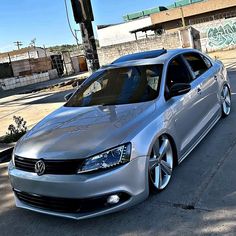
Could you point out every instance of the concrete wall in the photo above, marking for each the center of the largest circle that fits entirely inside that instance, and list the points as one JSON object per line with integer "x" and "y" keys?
{"x": 217, "y": 35}
{"x": 11, "y": 83}
{"x": 18, "y": 57}
{"x": 22, "y": 55}
{"x": 121, "y": 33}
{"x": 110, "y": 53}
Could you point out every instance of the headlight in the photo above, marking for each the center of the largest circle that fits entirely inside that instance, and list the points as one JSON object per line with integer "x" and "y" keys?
{"x": 107, "y": 159}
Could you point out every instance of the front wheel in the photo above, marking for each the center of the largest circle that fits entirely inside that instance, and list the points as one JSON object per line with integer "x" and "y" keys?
{"x": 226, "y": 101}
{"x": 161, "y": 163}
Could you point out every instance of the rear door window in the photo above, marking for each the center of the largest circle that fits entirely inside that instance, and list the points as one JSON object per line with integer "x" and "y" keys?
{"x": 177, "y": 72}
{"x": 196, "y": 63}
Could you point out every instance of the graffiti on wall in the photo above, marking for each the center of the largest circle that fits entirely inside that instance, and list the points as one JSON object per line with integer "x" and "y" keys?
{"x": 223, "y": 35}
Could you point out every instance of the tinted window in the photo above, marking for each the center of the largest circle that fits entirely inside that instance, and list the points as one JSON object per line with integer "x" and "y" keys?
{"x": 196, "y": 63}
{"x": 177, "y": 73}
{"x": 119, "y": 86}
{"x": 141, "y": 55}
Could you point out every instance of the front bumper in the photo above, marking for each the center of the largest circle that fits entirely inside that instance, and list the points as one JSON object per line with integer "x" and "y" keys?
{"x": 130, "y": 179}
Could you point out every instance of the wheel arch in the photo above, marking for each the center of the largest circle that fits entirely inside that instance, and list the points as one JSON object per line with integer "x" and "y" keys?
{"x": 174, "y": 148}
{"x": 173, "y": 145}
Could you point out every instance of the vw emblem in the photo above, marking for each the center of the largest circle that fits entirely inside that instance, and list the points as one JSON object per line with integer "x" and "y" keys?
{"x": 39, "y": 167}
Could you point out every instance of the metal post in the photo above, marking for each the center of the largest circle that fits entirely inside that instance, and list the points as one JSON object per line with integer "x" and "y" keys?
{"x": 9, "y": 57}
{"x": 10, "y": 64}
{"x": 182, "y": 17}
{"x": 29, "y": 62}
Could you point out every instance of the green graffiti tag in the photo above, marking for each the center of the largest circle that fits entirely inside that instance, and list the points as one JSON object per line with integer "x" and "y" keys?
{"x": 223, "y": 35}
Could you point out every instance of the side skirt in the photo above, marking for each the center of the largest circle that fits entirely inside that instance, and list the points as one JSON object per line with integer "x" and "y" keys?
{"x": 199, "y": 140}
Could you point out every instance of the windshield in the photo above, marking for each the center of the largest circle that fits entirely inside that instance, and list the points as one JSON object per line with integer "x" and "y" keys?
{"x": 119, "y": 86}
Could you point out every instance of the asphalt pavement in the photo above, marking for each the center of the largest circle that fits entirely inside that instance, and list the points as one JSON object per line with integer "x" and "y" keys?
{"x": 200, "y": 200}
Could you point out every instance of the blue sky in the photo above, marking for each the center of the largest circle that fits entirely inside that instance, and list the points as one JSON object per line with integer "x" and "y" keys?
{"x": 46, "y": 20}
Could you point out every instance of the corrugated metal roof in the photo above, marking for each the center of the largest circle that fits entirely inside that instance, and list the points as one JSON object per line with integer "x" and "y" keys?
{"x": 148, "y": 12}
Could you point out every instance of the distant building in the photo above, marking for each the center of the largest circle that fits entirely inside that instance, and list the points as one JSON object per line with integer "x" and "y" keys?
{"x": 120, "y": 33}
{"x": 193, "y": 13}
{"x": 21, "y": 54}
{"x": 156, "y": 21}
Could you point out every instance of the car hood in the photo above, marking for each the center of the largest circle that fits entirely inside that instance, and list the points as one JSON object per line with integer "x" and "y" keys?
{"x": 79, "y": 132}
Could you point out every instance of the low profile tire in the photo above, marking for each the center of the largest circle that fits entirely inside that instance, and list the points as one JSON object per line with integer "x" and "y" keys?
{"x": 226, "y": 101}
{"x": 161, "y": 164}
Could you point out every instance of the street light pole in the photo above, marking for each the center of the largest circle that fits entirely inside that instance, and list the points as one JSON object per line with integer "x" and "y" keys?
{"x": 83, "y": 15}
{"x": 89, "y": 44}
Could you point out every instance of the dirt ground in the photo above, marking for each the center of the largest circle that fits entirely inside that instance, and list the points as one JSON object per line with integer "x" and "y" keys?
{"x": 224, "y": 55}
{"x": 32, "y": 107}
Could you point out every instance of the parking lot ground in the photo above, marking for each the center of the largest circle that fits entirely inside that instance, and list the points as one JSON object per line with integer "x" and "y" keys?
{"x": 200, "y": 200}
{"x": 32, "y": 107}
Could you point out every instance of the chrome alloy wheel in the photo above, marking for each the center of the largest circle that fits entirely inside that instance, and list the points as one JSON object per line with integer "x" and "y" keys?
{"x": 161, "y": 163}
{"x": 226, "y": 101}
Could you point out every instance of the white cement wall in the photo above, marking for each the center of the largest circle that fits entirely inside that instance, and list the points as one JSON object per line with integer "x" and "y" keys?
{"x": 15, "y": 82}
{"x": 121, "y": 33}
{"x": 32, "y": 53}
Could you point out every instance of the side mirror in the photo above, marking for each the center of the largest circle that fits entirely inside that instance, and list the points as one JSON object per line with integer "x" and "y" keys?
{"x": 68, "y": 96}
{"x": 179, "y": 89}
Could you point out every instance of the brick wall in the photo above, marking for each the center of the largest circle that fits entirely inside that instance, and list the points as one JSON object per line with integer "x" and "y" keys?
{"x": 110, "y": 53}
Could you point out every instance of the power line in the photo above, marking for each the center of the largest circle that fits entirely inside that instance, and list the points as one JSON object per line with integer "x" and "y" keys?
{"x": 68, "y": 20}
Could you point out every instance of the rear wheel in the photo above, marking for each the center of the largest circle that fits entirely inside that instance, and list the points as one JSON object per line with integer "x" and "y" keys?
{"x": 226, "y": 101}
{"x": 161, "y": 163}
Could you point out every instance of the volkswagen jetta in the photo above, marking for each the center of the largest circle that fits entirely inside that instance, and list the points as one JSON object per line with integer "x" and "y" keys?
{"x": 120, "y": 134}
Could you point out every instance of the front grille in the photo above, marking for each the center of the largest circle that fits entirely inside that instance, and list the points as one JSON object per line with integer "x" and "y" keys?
{"x": 67, "y": 205}
{"x": 58, "y": 167}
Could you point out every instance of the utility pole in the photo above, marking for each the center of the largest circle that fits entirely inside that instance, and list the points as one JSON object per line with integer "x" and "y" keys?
{"x": 18, "y": 44}
{"x": 83, "y": 14}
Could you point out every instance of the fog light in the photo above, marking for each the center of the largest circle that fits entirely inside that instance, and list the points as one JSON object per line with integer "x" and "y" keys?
{"x": 113, "y": 199}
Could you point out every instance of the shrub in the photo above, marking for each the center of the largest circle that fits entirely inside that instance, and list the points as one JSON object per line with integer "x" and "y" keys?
{"x": 15, "y": 131}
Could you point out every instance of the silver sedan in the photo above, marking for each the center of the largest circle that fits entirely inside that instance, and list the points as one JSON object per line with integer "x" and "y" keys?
{"x": 120, "y": 135}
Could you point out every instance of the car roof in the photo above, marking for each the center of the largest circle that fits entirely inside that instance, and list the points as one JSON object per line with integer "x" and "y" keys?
{"x": 141, "y": 55}
{"x": 147, "y": 58}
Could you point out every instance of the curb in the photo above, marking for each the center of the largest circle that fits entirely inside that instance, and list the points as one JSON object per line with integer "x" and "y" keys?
{"x": 5, "y": 156}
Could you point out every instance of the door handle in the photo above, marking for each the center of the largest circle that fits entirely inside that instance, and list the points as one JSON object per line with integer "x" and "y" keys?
{"x": 199, "y": 91}
{"x": 215, "y": 77}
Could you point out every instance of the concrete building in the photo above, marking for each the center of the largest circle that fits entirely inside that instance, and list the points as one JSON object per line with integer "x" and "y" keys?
{"x": 120, "y": 33}
{"x": 148, "y": 23}
{"x": 195, "y": 13}
{"x": 208, "y": 25}
{"x": 22, "y": 54}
